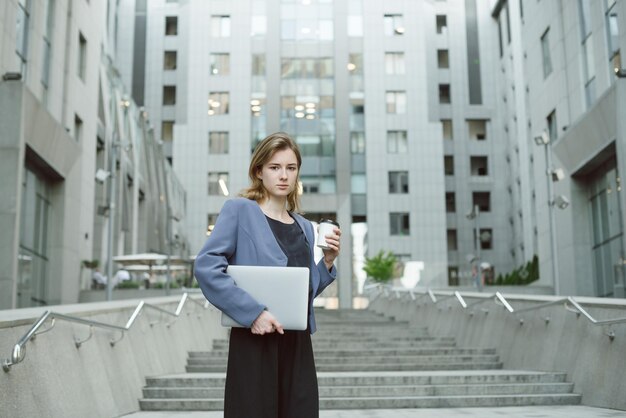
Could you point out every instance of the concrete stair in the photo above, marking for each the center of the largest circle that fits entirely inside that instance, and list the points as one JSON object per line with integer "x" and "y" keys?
{"x": 366, "y": 361}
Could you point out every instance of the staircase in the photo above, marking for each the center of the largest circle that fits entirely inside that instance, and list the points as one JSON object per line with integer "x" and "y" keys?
{"x": 366, "y": 361}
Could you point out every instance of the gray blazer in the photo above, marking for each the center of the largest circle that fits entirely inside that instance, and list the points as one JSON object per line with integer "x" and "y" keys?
{"x": 243, "y": 236}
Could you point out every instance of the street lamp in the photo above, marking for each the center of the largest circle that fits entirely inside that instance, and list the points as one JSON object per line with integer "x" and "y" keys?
{"x": 473, "y": 215}
{"x": 552, "y": 175}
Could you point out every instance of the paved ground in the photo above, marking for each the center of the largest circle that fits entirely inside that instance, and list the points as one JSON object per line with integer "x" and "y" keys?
{"x": 516, "y": 412}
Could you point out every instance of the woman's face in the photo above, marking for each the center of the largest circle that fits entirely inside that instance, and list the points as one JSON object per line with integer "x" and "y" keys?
{"x": 279, "y": 174}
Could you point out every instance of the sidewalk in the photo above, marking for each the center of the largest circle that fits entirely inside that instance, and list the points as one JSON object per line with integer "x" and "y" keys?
{"x": 516, "y": 412}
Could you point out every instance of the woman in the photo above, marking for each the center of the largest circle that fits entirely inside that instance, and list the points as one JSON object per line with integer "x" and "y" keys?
{"x": 271, "y": 371}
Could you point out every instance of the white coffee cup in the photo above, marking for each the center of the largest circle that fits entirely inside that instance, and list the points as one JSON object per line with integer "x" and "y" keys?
{"x": 326, "y": 227}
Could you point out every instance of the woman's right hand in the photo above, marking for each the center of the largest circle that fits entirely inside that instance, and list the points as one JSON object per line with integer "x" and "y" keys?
{"x": 266, "y": 323}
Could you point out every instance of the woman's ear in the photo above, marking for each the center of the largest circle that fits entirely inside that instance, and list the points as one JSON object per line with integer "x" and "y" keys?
{"x": 259, "y": 174}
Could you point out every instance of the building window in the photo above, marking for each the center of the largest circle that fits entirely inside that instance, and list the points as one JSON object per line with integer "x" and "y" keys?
{"x": 21, "y": 31}
{"x": 453, "y": 275}
{"x": 500, "y": 35}
{"x": 169, "y": 60}
{"x": 442, "y": 24}
{"x": 399, "y": 223}
{"x": 398, "y": 182}
{"x": 477, "y": 129}
{"x": 478, "y": 166}
{"x": 589, "y": 70}
{"x": 486, "y": 239}
{"x": 258, "y": 64}
{"x": 355, "y": 26}
{"x": 448, "y": 165}
{"x": 218, "y": 142}
{"x": 394, "y": 25}
{"x": 357, "y": 142}
{"x": 482, "y": 200}
{"x": 169, "y": 95}
{"x": 258, "y": 26}
{"x": 442, "y": 58}
{"x": 82, "y": 56}
{"x": 444, "y": 94}
{"x": 450, "y": 202}
{"x": 545, "y": 49}
{"x": 220, "y": 64}
{"x": 397, "y": 142}
{"x": 612, "y": 25}
{"x": 167, "y": 130}
{"x": 218, "y": 184}
{"x": 551, "y": 121}
{"x": 220, "y": 26}
{"x": 396, "y": 102}
{"x": 47, "y": 46}
{"x": 446, "y": 124}
{"x": 394, "y": 63}
{"x": 358, "y": 184}
{"x": 211, "y": 220}
{"x": 218, "y": 103}
{"x": 171, "y": 25}
{"x": 78, "y": 128}
{"x": 452, "y": 241}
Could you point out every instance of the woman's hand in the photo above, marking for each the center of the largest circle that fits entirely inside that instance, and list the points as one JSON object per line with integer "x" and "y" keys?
{"x": 266, "y": 323}
{"x": 332, "y": 240}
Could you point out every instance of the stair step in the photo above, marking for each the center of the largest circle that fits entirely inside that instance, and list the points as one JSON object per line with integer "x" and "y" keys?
{"x": 389, "y": 352}
{"x": 379, "y": 391}
{"x": 335, "y": 359}
{"x": 215, "y": 404}
{"x": 409, "y": 366}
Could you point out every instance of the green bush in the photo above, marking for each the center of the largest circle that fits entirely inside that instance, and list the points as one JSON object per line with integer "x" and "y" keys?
{"x": 523, "y": 275}
{"x": 161, "y": 285}
{"x": 380, "y": 267}
{"x": 128, "y": 284}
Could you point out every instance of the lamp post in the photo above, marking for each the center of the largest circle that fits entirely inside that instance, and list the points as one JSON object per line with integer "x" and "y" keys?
{"x": 544, "y": 140}
{"x": 473, "y": 215}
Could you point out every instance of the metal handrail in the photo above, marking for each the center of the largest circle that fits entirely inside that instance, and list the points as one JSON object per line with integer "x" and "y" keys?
{"x": 499, "y": 299}
{"x": 19, "y": 350}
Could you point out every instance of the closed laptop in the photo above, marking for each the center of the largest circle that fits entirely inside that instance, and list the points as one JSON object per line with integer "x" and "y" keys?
{"x": 284, "y": 290}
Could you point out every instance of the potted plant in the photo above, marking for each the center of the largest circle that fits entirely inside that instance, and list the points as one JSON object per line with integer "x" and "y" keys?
{"x": 381, "y": 267}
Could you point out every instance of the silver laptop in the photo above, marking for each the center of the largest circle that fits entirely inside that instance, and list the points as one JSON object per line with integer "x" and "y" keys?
{"x": 284, "y": 290}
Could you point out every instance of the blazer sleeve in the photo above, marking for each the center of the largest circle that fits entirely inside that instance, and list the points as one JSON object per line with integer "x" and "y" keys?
{"x": 210, "y": 269}
{"x": 326, "y": 277}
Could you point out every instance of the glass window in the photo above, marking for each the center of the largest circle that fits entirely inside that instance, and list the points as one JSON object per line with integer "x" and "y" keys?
{"x": 486, "y": 238}
{"x": 551, "y": 122}
{"x": 47, "y": 44}
{"x": 394, "y": 63}
{"x": 78, "y": 128}
{"x": 218, "y": 142}
{"x": 477, "y": 129}
{"x": 612, "y": 24}
{"x": 444, "y": 94}
{"x": 258, "y": 26}
{"x": 545, "y": 49}
{"x": 258, "y": 64}
{"x": 167, "y": 130}
{"x": 21, "y": 30}
{"x": 398, "y": 182}
{"x": 478, "y": 166}
{"x": 442, "y": 58}
{"x": 396, "y": 102}
{"x": 452, "y": 241}
{"x": 218, "y": 184}
{"x": 171, "y": 25}
{"x": 358, "y": 184}
{"x": 442, "y": 24}
{"x": 355, "y": 26}
{"x": 399, "y": 223}
{"x": 397, "y": 142}
{"x": 446, "y": 124}
{"x": 357, "y": 142}
{"x": 355, "y": 64}
{"x": 450, "y": 202}
{"x": 218, "y": 103}
{"x": 393, "y": 25}
{"x": 220, "y": 64}
{"x": 82, "y": 56}
{"x": 169, "y": 95}
{"x": 448, "y": 165}
{"x": 220, "y": 26}
{"x": 211, "y": 219}
{"x": 482, "y": 200}
{"x": 169, "y": 60}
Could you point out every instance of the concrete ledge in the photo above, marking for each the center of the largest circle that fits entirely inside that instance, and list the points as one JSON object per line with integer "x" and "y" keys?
{"x": 57, "y": 379}
{"x": 566, "y": 343}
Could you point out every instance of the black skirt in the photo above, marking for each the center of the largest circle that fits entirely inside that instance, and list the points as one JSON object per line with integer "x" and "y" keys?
{"x": 271, "y": 376}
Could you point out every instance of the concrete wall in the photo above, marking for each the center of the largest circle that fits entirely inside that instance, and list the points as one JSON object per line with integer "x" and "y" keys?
{"x": 567, "y": 343}
{"x": 58, "y": 380}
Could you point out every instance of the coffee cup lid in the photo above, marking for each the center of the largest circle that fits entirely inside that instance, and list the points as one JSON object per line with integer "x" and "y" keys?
{"x": 330, "y": 221}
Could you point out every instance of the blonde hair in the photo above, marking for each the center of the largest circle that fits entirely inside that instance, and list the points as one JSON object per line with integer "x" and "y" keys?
{"x": 264, "y": 152}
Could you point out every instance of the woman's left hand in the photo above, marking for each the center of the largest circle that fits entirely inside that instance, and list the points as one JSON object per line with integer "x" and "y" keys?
{"x": 332, "y": 240}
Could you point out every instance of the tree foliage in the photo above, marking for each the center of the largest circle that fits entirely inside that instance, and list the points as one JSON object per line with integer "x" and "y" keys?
{"x": 380, "y": 268}
{"x": 523, "y": 275}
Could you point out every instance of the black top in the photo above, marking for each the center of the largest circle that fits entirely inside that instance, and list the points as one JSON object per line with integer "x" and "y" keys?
{"x": 292, "y": 241}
